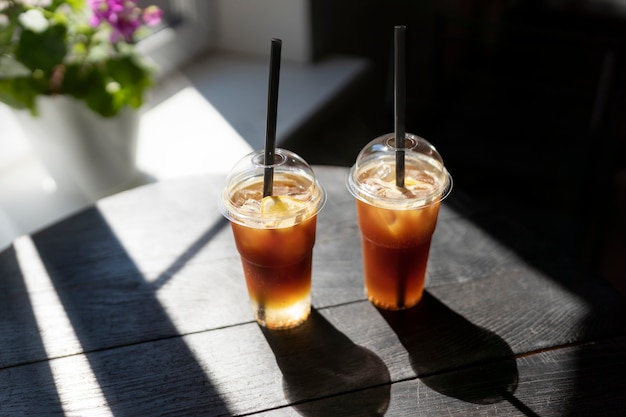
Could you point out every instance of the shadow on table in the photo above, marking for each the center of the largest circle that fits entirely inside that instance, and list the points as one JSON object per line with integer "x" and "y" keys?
{"x": 455, "y": 357}
{"x": 114, "y": 310}
{"x": 24, "y": 392}
{"x": 547, "y": 242}
{"x": 318, "y": 362}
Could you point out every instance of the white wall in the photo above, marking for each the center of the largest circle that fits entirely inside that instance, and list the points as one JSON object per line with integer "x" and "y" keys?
{"x": 248, "y": 26}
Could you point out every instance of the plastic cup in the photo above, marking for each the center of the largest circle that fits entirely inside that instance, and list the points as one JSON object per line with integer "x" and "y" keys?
{"x": 275, "y": 235}
{"x": 397, "y": 224}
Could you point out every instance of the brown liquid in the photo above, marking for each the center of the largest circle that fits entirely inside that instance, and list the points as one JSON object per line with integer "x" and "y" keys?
{"x": 277, "y": 262}
{"x": 396, "y": 244}
{"x": 277, "y": 268}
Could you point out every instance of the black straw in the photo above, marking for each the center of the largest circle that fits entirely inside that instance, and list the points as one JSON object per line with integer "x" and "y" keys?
{"x": 272, "y": 111}
{"x": 399, "y": 92}
{"x": 400, "y": 100}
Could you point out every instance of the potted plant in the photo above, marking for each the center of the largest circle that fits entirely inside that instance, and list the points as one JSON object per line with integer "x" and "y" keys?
{"x": 72, "y": 66}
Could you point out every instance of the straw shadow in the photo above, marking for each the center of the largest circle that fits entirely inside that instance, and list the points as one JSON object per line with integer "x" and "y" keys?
{"x": 127, "y": 335}
{"x": 318, "y": 361}
{"x": 453, "y": 356}
{"x": 24, "y": 392}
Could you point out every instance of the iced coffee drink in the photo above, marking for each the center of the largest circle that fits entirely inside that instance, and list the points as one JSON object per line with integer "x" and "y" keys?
{"x": 397, "y": 223}
{"x": 275, "y": 234}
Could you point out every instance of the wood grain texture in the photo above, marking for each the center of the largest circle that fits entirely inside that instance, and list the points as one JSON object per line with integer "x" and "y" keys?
{"x": 233, "y": 370}
{"x": 146, "y": 291}
{"x": 567, "y": 382}
{"x": 242, "y": 369}
{"x": 532, "y": 311}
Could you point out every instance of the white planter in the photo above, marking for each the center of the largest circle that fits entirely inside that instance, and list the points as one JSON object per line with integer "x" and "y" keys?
{"x": 82, "y": 151}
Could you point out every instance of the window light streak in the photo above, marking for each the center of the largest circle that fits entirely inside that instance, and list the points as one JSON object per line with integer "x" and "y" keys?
{"x": 76, "y": 384}
{"x": 49, "y": 185}
{"x": 192, "y": 152}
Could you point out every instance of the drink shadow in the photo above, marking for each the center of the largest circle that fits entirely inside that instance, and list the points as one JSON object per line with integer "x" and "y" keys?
{"x": 455, "y": 357}
{"x": 318, "y": 362}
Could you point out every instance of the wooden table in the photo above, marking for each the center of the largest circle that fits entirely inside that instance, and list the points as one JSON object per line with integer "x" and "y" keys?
{"x": 137, "y": 307}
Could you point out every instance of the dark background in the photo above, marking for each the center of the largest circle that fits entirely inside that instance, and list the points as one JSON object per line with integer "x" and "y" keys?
{"x": 525, "y": 100}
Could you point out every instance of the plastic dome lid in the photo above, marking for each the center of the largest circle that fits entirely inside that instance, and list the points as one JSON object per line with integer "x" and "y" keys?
{"x": 251, "y": 169}
{"x": 372, "y": 177}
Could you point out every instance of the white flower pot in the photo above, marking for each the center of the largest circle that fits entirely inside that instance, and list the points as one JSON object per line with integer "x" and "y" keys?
{"x": 82, "y": 151}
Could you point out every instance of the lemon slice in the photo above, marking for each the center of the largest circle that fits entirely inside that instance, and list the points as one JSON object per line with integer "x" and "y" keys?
{"x": 410, "y": 182}
{"x": 418, "y": 184}
{"x": 280, "y": 206}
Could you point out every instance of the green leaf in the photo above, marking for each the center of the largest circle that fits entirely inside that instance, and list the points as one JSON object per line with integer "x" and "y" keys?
{"x": 20, "y": 93}
{"x": 76, "y": 5}
{"x": 6, "y": 37}
{"x": 43, "y": 50}
{"x": 88, "y": 83}
{"x": 71, "y": 58}
{"x": 76, "y": 80}
{"x": 133, "y": 78}
{"x": 102, "y": 102}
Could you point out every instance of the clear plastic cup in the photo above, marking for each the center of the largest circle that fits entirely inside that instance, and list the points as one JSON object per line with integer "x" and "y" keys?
{"x": 275, "y": 235}
{"x": 396, "y": 223}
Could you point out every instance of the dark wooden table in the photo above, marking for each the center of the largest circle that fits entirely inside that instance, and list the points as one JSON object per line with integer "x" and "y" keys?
{"x": 137, "y": 307}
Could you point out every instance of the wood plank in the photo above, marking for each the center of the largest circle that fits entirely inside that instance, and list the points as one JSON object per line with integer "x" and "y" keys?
{"x": 233, "y": 370}
{"x": 115, "y": 307}
{"x": 531, "y": 311}
{"x": 242, "y": 369}
{"x": 19, "y": 333}
{"x": 496, "y": 317}
{"x": 113, "y": 268}
{"x": 461, "y": 252}
{"x": 163, "y": 251}
{"x": 528, "y": 310}
{"x": 576, "y": 381}
{"x": 159, "y": 378}
{"x": 248, "y": 368}
{"x": 149, "y": 284}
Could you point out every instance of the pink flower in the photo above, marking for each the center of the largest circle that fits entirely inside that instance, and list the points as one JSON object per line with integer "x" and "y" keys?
{"x": 152, "y": 15}
{"x": 123, "y": 16}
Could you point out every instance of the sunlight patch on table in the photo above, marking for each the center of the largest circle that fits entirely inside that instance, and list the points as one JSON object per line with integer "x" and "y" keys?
{"x": 75, "y": 382}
